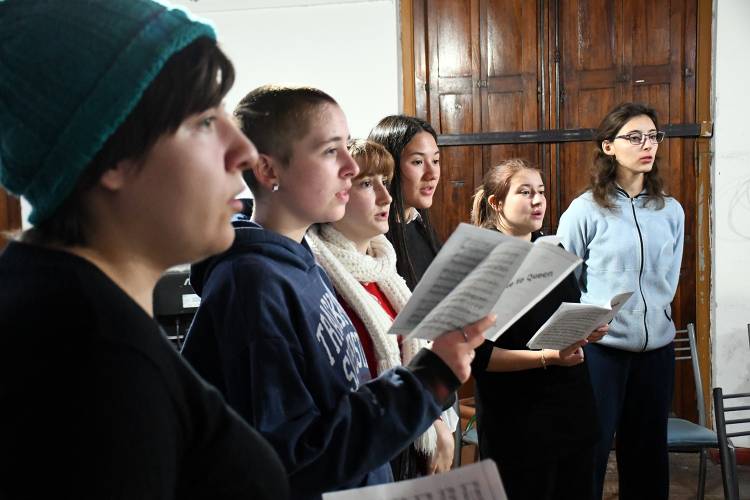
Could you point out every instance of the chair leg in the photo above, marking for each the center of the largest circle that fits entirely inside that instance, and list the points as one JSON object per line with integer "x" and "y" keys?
{"x": 733, "y": 483}
{"x": 701, "y": 474}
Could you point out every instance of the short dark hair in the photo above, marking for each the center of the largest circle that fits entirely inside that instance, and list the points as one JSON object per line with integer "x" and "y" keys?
{"x": 194, "y": 79}
{"x": 272, "y": 116}
{"x": 604, "y": 168}
{"x": 395, "y": 132}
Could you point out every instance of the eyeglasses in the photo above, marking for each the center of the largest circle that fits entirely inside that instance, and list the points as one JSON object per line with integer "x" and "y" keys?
{"x": 638, "y": 139}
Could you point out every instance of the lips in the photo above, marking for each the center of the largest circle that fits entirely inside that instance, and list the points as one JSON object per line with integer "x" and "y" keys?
{"x": 427, "y": 190}
{"x": 381, "y": 215}
{"x": 235, "y": 205}
{"x": 343, "y": 195}
{"x": 646, "y": 159}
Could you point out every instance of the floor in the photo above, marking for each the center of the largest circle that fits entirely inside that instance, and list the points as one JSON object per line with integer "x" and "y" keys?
{"x": 684, "y": 478}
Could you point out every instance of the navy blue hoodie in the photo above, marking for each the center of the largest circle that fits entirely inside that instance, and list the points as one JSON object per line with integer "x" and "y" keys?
{"x": 272, "y": 337}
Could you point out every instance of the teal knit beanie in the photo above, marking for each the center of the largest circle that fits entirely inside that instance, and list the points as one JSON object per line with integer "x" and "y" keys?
{"x": 70, "y": 73}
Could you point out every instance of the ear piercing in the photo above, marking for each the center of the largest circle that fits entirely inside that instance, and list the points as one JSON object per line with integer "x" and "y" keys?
{"x": 275, "y": 188}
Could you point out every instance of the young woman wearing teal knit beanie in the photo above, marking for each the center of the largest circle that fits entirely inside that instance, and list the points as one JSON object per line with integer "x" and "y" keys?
{"x": 111, "y": 126}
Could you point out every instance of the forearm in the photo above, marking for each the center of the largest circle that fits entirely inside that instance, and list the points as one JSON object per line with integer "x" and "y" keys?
{"x": 327, "y": 451}
{"x": 513, "y": 360}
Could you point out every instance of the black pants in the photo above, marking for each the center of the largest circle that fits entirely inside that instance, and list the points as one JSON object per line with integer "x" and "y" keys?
{"x": 633, "y": 392}
{"x": 565, "y": 478}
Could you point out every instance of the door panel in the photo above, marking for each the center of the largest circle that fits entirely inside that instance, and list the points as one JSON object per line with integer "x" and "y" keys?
{"x": 452, "y": 198}
{"x": 483, "y": 61}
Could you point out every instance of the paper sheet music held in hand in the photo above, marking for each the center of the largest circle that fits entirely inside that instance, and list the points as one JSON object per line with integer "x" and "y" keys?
{"x": 479, "y": 271}
{"x": 479, "y": 481}
{"x": 573, "y": 322}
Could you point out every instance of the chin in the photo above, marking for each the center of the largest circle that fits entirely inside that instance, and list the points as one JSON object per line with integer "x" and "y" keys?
{"x": 423, "y": 203}
{"x": 220, "y": 243}
{"x": 333, "y": 216}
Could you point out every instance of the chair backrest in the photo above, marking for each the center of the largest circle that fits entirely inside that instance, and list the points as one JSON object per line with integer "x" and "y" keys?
{"x": 739, "y": 427}
{"x": 685, "y": 349}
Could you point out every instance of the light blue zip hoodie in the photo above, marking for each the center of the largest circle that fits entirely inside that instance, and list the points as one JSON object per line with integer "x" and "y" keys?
{"x": 631, "y": 248}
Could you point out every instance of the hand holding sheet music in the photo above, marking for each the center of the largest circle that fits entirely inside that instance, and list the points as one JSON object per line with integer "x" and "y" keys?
{"x": 477, "y": 272}
{"x": 573, "y": 322}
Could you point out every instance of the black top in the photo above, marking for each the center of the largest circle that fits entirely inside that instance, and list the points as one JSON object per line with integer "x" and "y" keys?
{"x": 97, "y": 404}
{"x": 420, "y": 249}
{"x": 537, "y": 412}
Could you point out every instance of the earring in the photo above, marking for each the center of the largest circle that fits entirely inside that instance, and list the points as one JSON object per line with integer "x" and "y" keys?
{"x": 275, "y": 188}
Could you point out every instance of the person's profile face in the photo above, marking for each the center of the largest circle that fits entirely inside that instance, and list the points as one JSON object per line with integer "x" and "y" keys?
{"x": 522, "y": 211}
{"x": 420, "y": 171}
{"x": 314, "y": 185}
{"x": 367, "y": 211}
{"x": 182, "y": 195}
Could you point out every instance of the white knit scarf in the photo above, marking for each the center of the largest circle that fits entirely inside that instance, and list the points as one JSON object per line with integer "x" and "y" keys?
{"x": 348, "y": 269}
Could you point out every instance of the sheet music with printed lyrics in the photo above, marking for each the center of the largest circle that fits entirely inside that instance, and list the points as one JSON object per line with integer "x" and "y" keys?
{"x": 479, "y": 271}
{"x": 479, "y": 481}
{"x": 573, "y": 322}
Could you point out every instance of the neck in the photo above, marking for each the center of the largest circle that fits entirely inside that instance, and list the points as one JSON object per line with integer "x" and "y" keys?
{"x": 510, "y": 231}
{"x": 278, "y": 221}
{"x": 361, "y": 244}
{"x": 134, "y": 273}
{"x": 631, "y": 182}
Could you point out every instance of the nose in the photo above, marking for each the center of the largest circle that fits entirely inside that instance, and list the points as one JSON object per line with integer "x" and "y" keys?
{"x": 241, "y": 153}
{"x": 432, "y": 171}
{"x": 647, "y": 143}
{"x": 349, "y": 167}
{"x": 383, "y": 197}
{"x": 538, "y": 199}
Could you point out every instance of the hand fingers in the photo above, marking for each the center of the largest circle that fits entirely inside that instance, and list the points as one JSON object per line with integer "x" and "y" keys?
{"x": 474, "y": 331}
{"x": 572, "y": 348}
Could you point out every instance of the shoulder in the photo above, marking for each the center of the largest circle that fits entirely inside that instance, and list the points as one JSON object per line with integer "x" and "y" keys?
{"x": 583, "y": 204}
{"x": 673, "y": 207}
{"x": 581, "y": 208}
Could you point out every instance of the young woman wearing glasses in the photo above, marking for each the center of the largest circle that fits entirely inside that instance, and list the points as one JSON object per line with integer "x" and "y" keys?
{"x": 630, "y": 234}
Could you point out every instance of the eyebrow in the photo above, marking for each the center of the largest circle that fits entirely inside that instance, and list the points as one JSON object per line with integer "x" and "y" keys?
{"x": 422, "y": 153}
{"x": 530, "y": 185}
{"x": 641, "y": 131}
{"x": 336, "y": 138}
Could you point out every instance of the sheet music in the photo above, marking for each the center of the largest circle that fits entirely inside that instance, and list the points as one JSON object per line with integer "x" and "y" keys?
{"x": 466, "y": 248}
{"x": 477, "y": 294}
{"x": 544, "y": 268}
{"x": 573, "y": 322}
{"x": 479, "y": 481}
{"x": 479, "y": 271}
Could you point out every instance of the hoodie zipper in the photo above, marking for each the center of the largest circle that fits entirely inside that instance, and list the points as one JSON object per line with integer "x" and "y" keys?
{"x": 640, "y": 272}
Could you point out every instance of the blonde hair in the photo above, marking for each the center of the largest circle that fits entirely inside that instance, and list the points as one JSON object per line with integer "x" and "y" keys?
{"x": 496, "y": 181}
{"x": 373, "y": 158}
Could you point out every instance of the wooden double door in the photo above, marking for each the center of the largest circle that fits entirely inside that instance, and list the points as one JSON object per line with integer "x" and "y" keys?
{"x": 530, "y": 65}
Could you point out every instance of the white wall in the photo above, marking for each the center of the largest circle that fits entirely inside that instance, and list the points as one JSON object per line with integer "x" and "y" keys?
{"x": 731, "y": 200}
{"x": 348, "y": 48}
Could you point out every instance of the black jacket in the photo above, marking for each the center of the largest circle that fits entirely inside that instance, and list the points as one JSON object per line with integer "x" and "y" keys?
{"x": 95, "y": 402}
